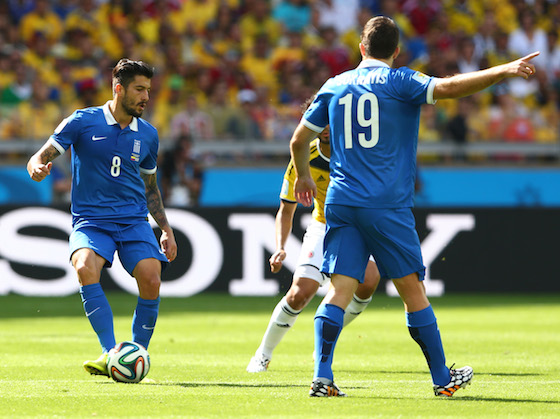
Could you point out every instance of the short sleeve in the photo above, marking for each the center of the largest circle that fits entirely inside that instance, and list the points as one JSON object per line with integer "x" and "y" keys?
{"x": 287, "y": 191}
{"x": 66, "y": 133}
{"x": 148, "y": 165}
{"x": 316, "y": 117}
{"x": 414, "y": 86}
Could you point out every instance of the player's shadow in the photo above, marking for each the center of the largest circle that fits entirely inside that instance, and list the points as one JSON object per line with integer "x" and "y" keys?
{"x": 502, "y": 399}
{"x": 237, "y": 385}
{"x": 490, "y": 374}
{"x": 456, "y": 399}
{"x": 508, "y": 374}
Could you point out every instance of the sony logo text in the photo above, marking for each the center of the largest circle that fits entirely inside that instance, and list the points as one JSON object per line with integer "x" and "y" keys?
{"x": 208, "y": 253}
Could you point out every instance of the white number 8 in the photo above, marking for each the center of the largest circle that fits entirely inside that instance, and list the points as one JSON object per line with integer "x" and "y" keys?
{"x": 116, "y": 166}
{"x": 372, "y": 122}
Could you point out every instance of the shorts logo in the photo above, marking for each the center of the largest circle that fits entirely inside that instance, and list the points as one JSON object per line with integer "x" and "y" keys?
{"x": 310, "y": 255}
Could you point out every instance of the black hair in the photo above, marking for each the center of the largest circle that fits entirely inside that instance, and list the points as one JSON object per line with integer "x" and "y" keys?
{"x": 380, "y": 37}
{"x": 125, "y": 71}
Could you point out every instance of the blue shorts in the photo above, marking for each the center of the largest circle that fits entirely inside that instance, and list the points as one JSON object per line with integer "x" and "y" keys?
{"x": 133, "y": 242}
{"x": 353, "y": 233}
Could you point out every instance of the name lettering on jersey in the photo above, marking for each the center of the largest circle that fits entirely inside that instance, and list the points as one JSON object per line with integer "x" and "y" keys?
{"x": 135, "y": 156}
{"x": 96, "y": 138}
{"x": 354, "y": 78}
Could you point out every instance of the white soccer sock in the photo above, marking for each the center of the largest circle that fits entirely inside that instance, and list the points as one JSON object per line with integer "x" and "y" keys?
{"x": 356, "y": 306}
{"x": 282, "y": 319}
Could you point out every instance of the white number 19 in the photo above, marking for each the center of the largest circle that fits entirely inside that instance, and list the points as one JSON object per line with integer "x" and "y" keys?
{"x": 372, "y": 122}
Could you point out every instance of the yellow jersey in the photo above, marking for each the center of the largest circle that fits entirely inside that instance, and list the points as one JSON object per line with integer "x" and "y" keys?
{"x": 319, "y": 164}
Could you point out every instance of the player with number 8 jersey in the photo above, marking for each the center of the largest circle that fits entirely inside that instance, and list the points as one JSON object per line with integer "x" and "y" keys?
{"x": 107, "y": 162}
{"x": 114, "y": 186}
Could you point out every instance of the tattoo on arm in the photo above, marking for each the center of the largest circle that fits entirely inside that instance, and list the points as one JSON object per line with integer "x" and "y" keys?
{"x": 48, "y": 153}
{"x": 153, "y": 198}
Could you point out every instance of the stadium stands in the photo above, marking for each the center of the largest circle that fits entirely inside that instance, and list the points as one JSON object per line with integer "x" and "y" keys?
{"x": 232, "y": 74}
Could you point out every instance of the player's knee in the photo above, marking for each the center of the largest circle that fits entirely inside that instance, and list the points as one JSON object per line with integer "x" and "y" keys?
{"x": 151, "y": 282}
{"x": 87, "y": 274}
{"x": 301, "y": 292}
{"x": 298, "y": 298}
{"x": 148, "y": 286}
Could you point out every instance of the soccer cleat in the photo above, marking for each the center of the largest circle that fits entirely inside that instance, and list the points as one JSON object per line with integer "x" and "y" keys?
{"x": 460, "y": 378}
{"x": 320, "y": 389}
{"x": 98, "y": 367}
{"x": 258, "y": 363}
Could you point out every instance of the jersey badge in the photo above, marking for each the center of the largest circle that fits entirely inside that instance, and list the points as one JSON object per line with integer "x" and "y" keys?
{"x": 135, "y": 156}
{"x": 420, "y": 78}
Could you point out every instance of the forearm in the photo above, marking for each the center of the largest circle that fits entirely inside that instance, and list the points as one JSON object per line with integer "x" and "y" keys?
{"x": 155, "y": 202}
{"x": 45, "y": 154}
{"x": 284, "y": 223}
{"x": 299, "y": 149}
{"x": 466, "y": 84}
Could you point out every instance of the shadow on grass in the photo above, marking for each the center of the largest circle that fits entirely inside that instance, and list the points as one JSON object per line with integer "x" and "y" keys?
{"x": 503, "y": 400}
{"x": 226, "y": 385}
{"x": 347, "y": 388}
{"x": 476, "y": 373}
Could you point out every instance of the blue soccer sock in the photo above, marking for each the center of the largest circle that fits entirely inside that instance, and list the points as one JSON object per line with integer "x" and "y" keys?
{"x": 328, "y": 324}
{"x": 99, "y": 314}
{"x": 424, "y": 330}
{"x": 144, "y": 321}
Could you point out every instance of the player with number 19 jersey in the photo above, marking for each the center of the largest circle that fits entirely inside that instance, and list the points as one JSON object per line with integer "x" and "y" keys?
{"x": 111, "y": 159}
{"x": 372, "y": 111}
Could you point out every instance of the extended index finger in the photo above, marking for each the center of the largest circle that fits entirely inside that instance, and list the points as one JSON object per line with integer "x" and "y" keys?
{"x": 531, "y": 56}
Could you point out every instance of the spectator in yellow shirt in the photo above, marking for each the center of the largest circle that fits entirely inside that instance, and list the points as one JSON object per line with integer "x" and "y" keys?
{"x": 42, "y": 19}
{"x": 257, "y": 21}
{"x": 258, "y": 64}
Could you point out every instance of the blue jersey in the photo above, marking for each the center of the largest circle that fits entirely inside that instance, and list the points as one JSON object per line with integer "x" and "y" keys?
{"x": 106, "y": 164}
{"x": 374, "y": 113}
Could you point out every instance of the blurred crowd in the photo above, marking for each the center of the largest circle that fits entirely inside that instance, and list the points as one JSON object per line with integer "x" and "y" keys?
{"x": 239, "y": 70}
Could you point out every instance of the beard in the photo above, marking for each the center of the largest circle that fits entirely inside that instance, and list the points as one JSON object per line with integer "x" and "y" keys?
{"x": 130, "y": 107}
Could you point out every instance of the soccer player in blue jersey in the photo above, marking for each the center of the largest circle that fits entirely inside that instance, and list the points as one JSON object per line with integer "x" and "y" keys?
{"x": 114, "y": 186}
{"x": 373, "y": 112}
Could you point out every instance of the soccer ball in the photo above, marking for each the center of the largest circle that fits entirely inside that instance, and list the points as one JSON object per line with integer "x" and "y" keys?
{"x": 128, "y": 362}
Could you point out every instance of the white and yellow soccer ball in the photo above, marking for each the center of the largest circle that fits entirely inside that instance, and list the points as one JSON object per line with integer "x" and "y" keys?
{"x": 128, "y": 362}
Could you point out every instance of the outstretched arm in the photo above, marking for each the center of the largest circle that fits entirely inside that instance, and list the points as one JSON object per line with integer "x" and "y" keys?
{"x": 284, "y": 223}
{"x": 155, "y": 206}
{"x": 40, "y": 164}
{"x": 461, "y": 85}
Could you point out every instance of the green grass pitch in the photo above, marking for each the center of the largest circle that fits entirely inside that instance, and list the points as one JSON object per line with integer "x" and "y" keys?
{"x": 202, "y": 345}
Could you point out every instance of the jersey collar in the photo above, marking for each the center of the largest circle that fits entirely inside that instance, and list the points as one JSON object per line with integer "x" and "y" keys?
{"x": 320, "y": 152}
{"x": 112, "y": 121}
{"x": 372, "y": 62}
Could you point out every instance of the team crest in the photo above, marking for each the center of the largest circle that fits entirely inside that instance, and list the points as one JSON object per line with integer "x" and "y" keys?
{"x": 135, "y": 156}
